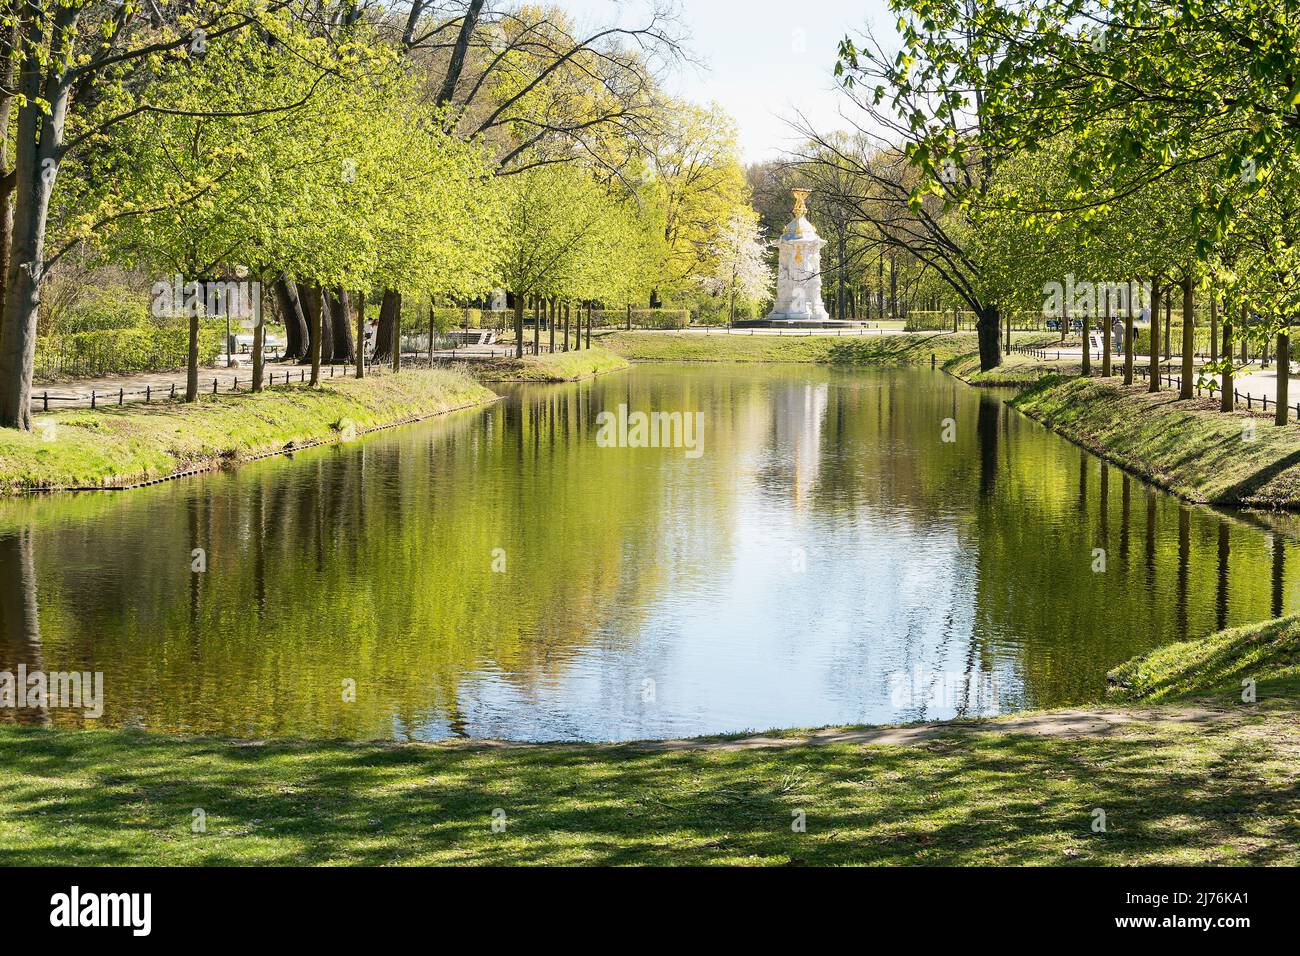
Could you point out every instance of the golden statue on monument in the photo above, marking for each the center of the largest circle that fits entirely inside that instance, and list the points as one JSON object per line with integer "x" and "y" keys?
{"x": 801, "y": 202}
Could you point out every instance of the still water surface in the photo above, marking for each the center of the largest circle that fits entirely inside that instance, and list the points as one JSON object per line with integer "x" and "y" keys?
{"x": 828, "y": 559}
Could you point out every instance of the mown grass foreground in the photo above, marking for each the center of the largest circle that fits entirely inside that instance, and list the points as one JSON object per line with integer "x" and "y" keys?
{"x": 1212, "y": 780}
{"x": 1188, "y": 447}
{"x": 1222, "y": 791}
{"x": 133, "y": 443}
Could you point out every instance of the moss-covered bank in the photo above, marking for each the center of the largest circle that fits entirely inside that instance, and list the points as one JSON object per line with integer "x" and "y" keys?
{"x": 130, "y": 444}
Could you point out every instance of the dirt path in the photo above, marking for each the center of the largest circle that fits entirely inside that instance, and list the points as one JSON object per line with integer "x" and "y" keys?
{"x": 1061, "y": 724}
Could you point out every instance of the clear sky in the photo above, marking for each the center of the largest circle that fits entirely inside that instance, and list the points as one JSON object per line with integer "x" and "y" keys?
{"x": 763, "y": 59}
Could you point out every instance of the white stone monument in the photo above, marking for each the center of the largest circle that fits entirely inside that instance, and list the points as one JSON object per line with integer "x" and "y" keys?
{"x": 799, "y": 281}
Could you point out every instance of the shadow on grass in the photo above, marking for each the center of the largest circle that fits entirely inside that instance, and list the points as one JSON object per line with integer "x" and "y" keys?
{"x": 112, "y": 798}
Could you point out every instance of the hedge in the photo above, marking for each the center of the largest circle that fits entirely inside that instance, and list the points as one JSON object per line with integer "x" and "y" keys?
{"x": 148, "y": 348}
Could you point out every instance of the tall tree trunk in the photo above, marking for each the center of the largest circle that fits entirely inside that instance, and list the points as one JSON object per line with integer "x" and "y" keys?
{"x": 1154, "y": 385}
{"x": 23, "y": 295}
{"x": 8, "y": 43}
{"x": 361, "y": 335}
{"x": 45, "y": 88}
{"x": 986, "y": 330}
{"x": 259, "y": 341}
{"x": 1227, "y": 400}
{"x": 389, "y": 310}
{"x": 1283, "y": 376}
{"x": 192, "y": 360}
{"x": 550, "y": 325}
{"x": 519, "y": 325}
{"x": 295, "y": 319}
{"x": 1189, "y": 337}
{"x": 318, "y": 300}
{"x": 341, "y": 324}
{"x": 567, "y": 324}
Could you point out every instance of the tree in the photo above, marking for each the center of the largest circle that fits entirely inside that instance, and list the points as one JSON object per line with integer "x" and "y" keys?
{"x": 700, "y": 184}
{"x": 563, "y": 238}
{"x": 741, "y": 269}
{"x": 75, "y": 58}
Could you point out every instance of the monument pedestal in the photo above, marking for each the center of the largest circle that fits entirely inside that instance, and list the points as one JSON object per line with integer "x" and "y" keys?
{"x": 796, "y": 324}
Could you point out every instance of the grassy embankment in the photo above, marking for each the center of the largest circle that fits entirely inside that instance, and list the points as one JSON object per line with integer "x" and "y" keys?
{"x": 868, "y": 349}
{"x": 1016, "y": 371}
{"x": 1210, "y": 781}
{"x": 133, "y": 443}
{"x": 560, "y": 367}
{"x": 1188, "y": 447}
{"x": 1267, "y": 653}
{"x": 122, "y": 446}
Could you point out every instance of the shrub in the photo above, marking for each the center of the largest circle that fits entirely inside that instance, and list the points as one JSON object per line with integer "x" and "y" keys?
{"x": 104, "y": 310}
{"x": 642, "y": 318}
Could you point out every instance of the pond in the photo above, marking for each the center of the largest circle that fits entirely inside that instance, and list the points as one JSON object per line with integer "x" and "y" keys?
{"x": 841, "y": 546}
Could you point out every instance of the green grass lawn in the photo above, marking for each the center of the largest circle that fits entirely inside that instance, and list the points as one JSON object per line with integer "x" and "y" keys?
{"x": 132, "y": 443}
{"x": 869, "y": 349}
{"x": 1188, "y": 447}
{"x": 559, "y": 367}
